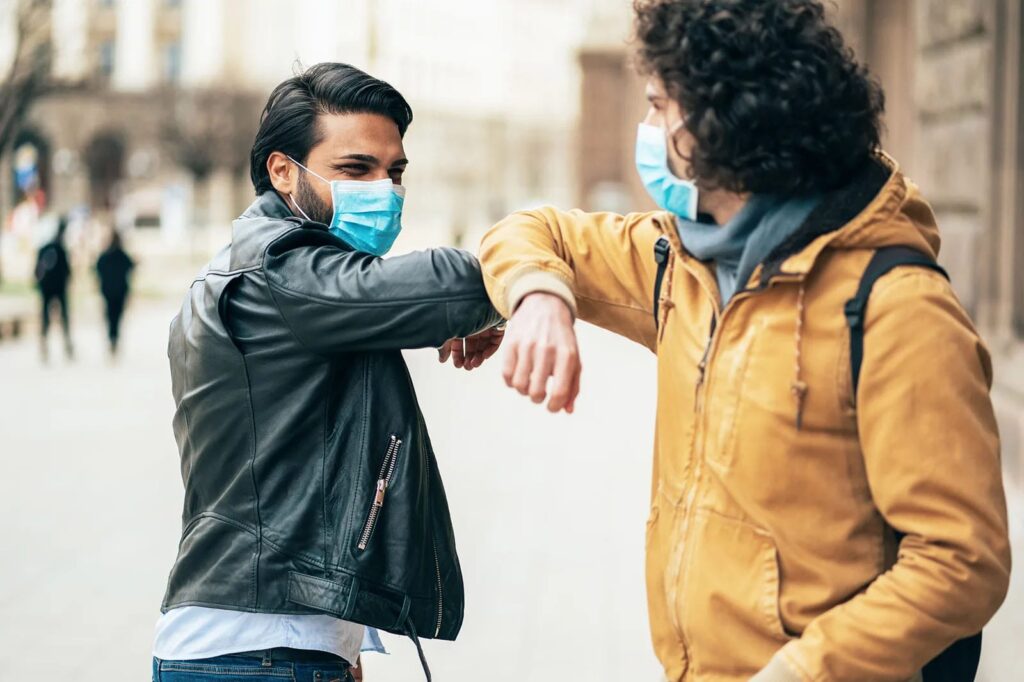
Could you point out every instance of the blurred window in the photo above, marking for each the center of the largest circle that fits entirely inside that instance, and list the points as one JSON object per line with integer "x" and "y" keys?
{"x": 172, "y": 63}
{"x": 106, "y": 61}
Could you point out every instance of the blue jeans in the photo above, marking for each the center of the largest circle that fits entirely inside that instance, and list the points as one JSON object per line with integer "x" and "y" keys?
{"x": 236, "y": 668}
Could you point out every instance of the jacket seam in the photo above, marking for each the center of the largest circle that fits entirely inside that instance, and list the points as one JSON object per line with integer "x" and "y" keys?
{"x": 323, "y": 461}
{"x": 225, "y": 273}
{"x": 899, "y": 274}
{"x": 287, "y": 322}
{"x": 796, "y": 667}
{"x": 311, "y": 560}
{"x": 624, "y": 306}
{"x": 219, "y": 517}
{"x": 520, "y": 271}
{"x": 231, "y": 607}
{"x": 390, "y": 303}
{"x": 365, "y": 581}
{"x": 254, "y": 579}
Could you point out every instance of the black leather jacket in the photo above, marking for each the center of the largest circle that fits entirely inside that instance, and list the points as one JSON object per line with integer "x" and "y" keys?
{"x": 310, "y": 483}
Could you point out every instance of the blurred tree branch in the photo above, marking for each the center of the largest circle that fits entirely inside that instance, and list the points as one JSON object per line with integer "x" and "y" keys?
{"x": 210, "y": 129}
{"x": 28, "y": 73}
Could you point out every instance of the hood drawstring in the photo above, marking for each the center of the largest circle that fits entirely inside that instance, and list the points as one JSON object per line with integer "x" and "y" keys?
{"x": 799, "y": 387}
{"x": 666, "y": 303}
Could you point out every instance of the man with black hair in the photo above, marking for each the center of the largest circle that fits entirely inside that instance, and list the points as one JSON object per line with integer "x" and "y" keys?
{"x": 827, "y": 500}
{"x": 313, "y": 503}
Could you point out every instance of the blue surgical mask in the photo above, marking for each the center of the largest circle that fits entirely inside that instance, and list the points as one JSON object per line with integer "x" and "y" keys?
{"x": 367, "y": 215}
{"x": 670, "y": 193}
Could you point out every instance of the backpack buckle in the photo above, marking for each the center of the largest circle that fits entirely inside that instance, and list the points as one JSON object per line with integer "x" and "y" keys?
{"x": 854, "y": 312}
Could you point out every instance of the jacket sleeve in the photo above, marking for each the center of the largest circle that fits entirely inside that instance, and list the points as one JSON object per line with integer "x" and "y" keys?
{"x": 601, "y": 264}
{"x": 337, "y": 301}
{"x": 931, "y": 451}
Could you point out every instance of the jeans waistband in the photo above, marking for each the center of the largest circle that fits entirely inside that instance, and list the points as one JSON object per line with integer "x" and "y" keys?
{"x": 285, "y": 655}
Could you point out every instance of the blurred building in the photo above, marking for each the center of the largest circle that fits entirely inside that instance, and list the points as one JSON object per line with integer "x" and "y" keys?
{"x": 154, "y": 104}
{"x": 517, "y": 102}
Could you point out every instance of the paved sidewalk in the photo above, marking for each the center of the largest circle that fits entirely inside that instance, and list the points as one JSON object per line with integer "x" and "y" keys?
{"x": 549, "y": 514}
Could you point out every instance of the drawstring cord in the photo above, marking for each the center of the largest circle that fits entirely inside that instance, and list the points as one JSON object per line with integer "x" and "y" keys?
{"x": 666, "y": 304}
{"x": 799, "y": 387}
{"x": 419, "y": 647}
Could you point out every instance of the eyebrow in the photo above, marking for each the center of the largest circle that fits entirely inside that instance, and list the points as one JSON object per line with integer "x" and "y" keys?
{"x": 369, "y": 158}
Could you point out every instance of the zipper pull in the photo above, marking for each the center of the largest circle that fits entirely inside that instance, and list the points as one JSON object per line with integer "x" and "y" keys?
{"x": 378, "y": 498}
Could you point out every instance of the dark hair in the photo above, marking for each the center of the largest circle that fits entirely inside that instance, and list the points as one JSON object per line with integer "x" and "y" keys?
{"x": 774, "y": 99}
{"x": 289, "y": 121}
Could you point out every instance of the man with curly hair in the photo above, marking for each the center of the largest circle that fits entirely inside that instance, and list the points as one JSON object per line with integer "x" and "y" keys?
{"x": 827, "y": 500}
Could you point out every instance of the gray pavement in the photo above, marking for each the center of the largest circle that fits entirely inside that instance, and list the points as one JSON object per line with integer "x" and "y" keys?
{"x": 549, "y": 513}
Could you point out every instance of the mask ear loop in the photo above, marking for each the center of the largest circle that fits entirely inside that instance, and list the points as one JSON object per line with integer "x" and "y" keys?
{"x": 296, "y": 204}
{"x": 292, "y": 196}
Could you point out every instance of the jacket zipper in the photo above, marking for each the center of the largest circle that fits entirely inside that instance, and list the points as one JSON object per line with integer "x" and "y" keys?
{"x": 440, "y": 594}
{"x": 683, "y": 556}
{"x": 702, "y": 366}
{"x": 387, "y": 469}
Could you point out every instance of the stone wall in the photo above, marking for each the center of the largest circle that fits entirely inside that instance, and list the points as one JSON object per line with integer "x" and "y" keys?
{"x": 955, "y": 105}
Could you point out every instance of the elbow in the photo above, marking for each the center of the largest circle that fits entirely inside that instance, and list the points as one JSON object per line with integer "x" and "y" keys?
{"x": 986, "y": 587}
{"x": 999, "y": 584}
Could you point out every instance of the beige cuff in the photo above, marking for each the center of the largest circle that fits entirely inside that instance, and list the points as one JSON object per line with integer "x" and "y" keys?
{"x": 777, "y": 670}
{"x": 539, "y": 281}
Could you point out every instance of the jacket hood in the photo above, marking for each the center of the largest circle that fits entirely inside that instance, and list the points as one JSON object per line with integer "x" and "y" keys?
{"x": 879, "y": 207}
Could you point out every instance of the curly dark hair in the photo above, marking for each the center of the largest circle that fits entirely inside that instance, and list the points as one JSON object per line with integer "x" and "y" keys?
{"x": 774, "y": 99}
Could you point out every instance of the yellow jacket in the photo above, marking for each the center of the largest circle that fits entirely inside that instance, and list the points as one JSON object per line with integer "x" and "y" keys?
{"x": 770, "y": 547}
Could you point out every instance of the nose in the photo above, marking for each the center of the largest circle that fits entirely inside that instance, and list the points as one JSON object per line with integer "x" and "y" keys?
{"x": 653, "y": 117}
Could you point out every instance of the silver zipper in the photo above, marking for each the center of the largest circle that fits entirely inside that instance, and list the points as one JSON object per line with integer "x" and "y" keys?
{"x": 387, "y": 469}
{"x": 440, "y": 595}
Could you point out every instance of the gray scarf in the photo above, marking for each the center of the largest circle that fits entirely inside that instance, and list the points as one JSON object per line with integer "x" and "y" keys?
{"x": 739, "y": 246}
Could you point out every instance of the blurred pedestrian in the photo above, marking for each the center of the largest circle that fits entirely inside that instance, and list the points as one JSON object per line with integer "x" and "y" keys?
{"x": 53, "y": 273}
{"x": 114, "y": 268}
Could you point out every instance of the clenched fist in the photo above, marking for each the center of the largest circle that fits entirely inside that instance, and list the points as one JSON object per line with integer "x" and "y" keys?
{"x": 541, "y": 352}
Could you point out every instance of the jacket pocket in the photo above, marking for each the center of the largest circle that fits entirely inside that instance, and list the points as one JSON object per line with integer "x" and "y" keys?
{"x": 730, "y": 596}
{"x": 387, "y": 470}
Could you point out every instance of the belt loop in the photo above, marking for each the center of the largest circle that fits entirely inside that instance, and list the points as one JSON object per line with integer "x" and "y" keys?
{"x": 268, "y": 661}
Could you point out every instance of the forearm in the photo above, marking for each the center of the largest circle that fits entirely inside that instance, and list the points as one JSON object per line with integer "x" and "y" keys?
{"x": 342, "y": 302}
{"x": 600, "y": 264}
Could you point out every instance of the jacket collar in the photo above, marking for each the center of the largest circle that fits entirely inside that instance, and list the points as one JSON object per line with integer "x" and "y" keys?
{"x": 271, "y": 205}
{"x": 267, "y": 218}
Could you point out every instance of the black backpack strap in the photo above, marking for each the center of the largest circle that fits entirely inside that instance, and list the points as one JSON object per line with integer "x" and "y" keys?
{"x": 661, "y": 252}
{"x": 959, "y": 662}
{"x": 884, "y": 260}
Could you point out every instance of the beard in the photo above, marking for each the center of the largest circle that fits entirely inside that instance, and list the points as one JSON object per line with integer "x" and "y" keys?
{"x": 310, "y": 202}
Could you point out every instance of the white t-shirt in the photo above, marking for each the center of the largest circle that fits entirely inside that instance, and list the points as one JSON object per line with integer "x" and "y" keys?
{"x": 194, "y": 632}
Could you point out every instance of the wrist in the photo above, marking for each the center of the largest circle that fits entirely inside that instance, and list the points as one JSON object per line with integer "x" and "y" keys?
{"x": 540, "y": 282}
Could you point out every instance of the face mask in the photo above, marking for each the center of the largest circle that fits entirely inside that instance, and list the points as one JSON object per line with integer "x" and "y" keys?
{"x": 367, "y": 215}
{"x": 669, "y": 192}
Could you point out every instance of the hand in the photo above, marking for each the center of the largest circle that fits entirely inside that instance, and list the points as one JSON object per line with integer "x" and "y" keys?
{"x": 471, "y": 352}
{"x": 357, "y": 670}
{"x": 542, "y": 346}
